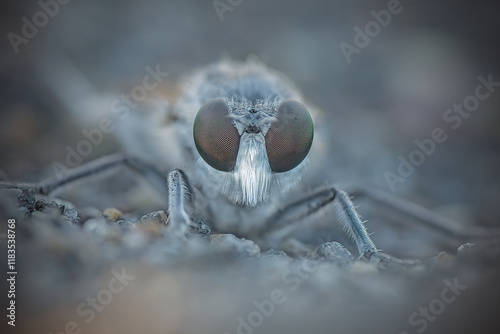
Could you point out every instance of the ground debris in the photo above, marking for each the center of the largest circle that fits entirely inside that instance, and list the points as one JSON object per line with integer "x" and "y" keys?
{"x": 50, "y": 208}
{"x": 198, "y": 227}
{"x": 228, "y": 243}
{"x": 153, "y": 223}
{"x": 335, "y": 252}
{"x": 72, "y": 214}
{"x": 27, "y": 200}
{"x": 158, "y": 217}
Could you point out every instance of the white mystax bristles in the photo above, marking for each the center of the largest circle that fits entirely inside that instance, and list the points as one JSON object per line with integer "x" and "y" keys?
{"x": 252, "y": 173}
{"x": 250, "y": 181}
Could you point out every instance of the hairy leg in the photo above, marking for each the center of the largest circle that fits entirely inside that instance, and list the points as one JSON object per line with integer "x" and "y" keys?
{"x": 179, "y": 196}
{"x": 287, "y": 220}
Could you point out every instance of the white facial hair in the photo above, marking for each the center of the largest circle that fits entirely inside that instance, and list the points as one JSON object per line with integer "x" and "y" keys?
{"x": 252, "y": 173}
{"x": 250, "y": 181}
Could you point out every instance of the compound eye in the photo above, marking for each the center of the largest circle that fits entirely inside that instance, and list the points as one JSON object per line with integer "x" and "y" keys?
{"x": 289, "y": 139}
{"x": 215, "y": 135}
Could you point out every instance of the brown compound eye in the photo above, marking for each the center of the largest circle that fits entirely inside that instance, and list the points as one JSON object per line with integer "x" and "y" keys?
{"x": 215, "y": 135}
{"x": 289, "y": 139}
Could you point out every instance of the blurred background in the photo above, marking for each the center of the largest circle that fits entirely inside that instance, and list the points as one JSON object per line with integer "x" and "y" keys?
{"x": 64, "y": 76}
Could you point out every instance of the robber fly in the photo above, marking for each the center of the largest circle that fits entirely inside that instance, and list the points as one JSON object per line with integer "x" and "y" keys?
{"x": 232, "y": 151}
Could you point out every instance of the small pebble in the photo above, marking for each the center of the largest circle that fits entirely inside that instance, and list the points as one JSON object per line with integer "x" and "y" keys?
{"x": 465, "y": 247}
{"x": 112, "y": 214}
{"x": 159, "y": 217}
{"x": 228, "y": 243}
{"x": 153, "y": 223}
{"x": 199, "y": 227}
{"x": 67, "y": 205}
{"x": 27, "y": 200}
{"x": 72, "y": 214}
{"x": 124, "y": 223}
{"x": 335, "y": 252}
{"x": 275, "y": 253}
{"x": 50, "y": 208}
